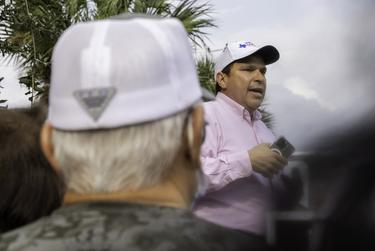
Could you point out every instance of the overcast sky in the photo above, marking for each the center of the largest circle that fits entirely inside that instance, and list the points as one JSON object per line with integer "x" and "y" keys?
{"x": 324, "y": 78}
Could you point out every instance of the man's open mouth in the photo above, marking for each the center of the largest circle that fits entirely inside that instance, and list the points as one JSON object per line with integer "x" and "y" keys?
{"x": 256, "y": 90}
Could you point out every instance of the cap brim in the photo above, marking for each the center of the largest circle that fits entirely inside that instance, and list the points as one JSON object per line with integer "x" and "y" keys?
{"x": 207, "y": 95}
{"x": 269, "y": 54}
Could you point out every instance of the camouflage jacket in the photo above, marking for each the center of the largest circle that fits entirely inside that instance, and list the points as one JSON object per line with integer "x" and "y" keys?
{"x": 123, "y": 226}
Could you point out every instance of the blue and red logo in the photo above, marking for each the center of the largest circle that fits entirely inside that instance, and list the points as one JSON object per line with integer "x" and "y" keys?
{"x": 245, "y": 44}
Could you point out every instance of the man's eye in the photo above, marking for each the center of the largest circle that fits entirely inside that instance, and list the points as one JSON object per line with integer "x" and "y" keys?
{"x": 249, "y": 69}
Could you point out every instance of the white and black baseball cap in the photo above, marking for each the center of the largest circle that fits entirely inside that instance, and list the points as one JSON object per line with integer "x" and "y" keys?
{"x": 237, "y": 50}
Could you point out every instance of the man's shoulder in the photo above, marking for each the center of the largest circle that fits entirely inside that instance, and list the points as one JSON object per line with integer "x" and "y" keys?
{"x": 113, "y": 226}
{"x": 81, "y": 225}
{"x": 210, "y": 104}
{"x": 212, "y": 109}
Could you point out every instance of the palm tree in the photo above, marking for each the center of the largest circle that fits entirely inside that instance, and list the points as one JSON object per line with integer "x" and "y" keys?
{"x": 205, "y": 68}
{"x": 194, "y": 16}
{"x": 30, "y": 28}
{"x": 28, "y": 32}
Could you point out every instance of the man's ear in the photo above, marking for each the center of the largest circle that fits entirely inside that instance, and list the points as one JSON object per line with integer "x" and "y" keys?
{"x": 196, "y": 134}
{"x": 221, "y": 79}
{"x": 47, "y": 146}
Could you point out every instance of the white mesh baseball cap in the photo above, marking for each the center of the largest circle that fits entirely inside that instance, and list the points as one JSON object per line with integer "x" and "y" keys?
{"x": 236, "y": 50}
{"x": 119, "y": 72}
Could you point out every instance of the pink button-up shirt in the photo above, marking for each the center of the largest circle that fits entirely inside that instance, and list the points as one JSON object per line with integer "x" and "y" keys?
{"x": 237, "y": 197}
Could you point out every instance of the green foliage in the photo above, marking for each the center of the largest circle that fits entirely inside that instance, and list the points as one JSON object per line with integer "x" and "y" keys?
{"x": 107, "y": 8}
{"x": 206, "y": 71}
{"x": 29, "y": 29}
{"x": 194, "y": 17}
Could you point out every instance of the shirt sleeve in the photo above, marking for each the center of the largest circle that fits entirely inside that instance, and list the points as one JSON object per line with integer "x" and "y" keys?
{"x": 221, "y": 169}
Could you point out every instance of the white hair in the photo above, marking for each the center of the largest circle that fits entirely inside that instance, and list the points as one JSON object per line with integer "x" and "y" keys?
{"x": 114, "y": 159}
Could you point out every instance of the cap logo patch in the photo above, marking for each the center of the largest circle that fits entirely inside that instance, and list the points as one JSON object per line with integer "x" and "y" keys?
{"x": 94, "y": 101}
{"x": 245, "y": 44}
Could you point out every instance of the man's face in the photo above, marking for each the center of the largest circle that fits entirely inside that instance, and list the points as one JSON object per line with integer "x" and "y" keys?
{"x": 246, "y": 83}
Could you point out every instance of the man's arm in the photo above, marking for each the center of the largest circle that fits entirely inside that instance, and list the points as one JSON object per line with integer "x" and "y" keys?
{"x": 222, "y": 169}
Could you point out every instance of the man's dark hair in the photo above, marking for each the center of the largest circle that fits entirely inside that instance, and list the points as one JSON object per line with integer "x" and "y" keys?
{"x": 226, "y": 71}
{"x": 29, "y": 187}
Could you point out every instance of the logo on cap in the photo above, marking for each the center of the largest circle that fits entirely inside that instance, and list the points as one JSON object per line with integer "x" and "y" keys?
{"x": 94, "y": 101}
{"x": 245, "y": 44}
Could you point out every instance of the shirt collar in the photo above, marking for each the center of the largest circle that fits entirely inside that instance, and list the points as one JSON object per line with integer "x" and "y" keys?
{"x": 236, "y": 107}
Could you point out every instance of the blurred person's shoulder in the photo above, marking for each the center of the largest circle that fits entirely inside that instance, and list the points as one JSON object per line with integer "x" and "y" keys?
{"x": 115, "y": 225}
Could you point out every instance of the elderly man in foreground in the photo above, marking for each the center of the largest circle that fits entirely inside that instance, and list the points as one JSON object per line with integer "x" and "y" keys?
{"x": 124, "y": 128}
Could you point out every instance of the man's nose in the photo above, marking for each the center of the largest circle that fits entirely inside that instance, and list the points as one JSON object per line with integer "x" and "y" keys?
{"x": 260, "y": 77}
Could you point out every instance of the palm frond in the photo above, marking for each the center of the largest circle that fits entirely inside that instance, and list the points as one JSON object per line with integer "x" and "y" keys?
{"x": 151, "y": 7}
{"x": 29, "y": 29}
{"x": 267, "y": 117}
{"x": 205, "y": 68}
{"x": 195, "y": 18}
{"x": 108, "y": 8}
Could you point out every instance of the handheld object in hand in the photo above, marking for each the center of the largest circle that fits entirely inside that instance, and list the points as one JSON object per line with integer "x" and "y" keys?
{"x": 283, "y": 147}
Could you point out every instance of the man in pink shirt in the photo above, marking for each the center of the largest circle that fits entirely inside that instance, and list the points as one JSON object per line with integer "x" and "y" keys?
{"x": 241, "y": 168}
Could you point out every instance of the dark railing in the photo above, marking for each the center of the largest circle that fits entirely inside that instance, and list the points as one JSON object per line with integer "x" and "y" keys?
{"x": 289, "y": 229}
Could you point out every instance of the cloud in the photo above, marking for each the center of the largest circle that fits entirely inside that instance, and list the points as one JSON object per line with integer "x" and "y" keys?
{"x": 301, "y": 87}
{"x": 322, "y": 80}
{"x": 12, "y": 90}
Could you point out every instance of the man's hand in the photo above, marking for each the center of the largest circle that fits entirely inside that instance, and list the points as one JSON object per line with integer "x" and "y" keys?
{"x": 265, "y": 161}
